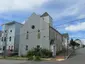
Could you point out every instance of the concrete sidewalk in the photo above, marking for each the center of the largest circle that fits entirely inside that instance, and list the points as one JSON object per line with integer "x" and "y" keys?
{"x": 64, "y": 54}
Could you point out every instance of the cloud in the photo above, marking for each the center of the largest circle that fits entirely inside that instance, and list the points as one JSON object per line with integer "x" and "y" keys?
{"x": 11, "y": 5}
{"x": 23, "y": 22}
{"x": 81, "y": 16}
{"x": 77, "y": 27}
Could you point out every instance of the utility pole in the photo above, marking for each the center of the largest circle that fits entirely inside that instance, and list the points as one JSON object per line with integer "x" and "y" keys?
{"x": 67, "y": 44}
{"x": 5, "y": 44}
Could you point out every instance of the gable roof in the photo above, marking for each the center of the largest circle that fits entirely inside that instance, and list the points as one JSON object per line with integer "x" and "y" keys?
{"x": 13, "y": 22}
{"x": 45, "y": 14}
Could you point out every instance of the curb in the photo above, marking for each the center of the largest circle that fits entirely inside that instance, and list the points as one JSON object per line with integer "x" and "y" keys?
{"x": 69, "y": 55}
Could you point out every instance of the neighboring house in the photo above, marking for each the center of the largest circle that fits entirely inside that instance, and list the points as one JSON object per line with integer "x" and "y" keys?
{"x": 1, "y": 44}
{"x": 38, "y": 30}
{"x": 11, "y": 36}
{"x": 79, "y": 42}
{"x": 65, "y": 40}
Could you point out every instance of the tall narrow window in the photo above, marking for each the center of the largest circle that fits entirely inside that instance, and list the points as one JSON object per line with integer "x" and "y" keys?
{"x": 26, "y": 47}
{"x": 9, "y": 38}
{"x": 27, "y": 35}
{"x": 2, "y": 39}
{"x": 38, "y": 36}
{"x": 10, "y": 30}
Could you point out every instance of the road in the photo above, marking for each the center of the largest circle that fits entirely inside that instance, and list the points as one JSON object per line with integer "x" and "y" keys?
{"x": 11, "y": 61}
{"x": 79, "y": 58}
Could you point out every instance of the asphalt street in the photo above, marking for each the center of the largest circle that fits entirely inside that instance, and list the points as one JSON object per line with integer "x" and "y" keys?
{"x": 77, "y": 58}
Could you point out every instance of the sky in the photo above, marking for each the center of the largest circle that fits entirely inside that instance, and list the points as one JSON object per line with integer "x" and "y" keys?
{"x": 68, "y": 15}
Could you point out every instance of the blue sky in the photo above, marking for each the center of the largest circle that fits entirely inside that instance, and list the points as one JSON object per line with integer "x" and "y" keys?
{"x": 68, "y": 15}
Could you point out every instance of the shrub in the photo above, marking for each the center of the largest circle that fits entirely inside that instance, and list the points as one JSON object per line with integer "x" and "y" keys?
{"x": 36, "y": 58}
{"x": 30, "y": 53}
{"x": 46, "y": 53}
{"x": 37, "y": 52}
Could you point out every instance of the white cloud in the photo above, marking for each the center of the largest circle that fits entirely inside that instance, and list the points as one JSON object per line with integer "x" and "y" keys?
{"x": 8, "y": 5}
{"x": 77, "y": 27}
{"x": 81, "y": 16}
{"x": 23, "y": 22}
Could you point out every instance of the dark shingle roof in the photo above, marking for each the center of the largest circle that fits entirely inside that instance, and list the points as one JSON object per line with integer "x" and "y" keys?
{"x": 45, "y": 14}
{"x": 12, "y": 22}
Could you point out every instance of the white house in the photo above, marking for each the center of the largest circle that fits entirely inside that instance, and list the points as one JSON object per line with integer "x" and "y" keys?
{"x": 38, "y": 30}
{"x": 65, "y": 40}
{"x": 79, "y": 42}
{"x": 11, "y": 36}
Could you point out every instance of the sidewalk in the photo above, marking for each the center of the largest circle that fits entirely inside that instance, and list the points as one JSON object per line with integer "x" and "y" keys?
{"x": 64, "y": 54}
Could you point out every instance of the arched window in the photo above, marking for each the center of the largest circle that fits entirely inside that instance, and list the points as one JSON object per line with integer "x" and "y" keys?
{"x": 27, "y": 35}
{"x": 26, "y": 47}
{"x": 38, "y": 36}
{"x": 2, "y": 39}
{"x": 10, "y": 38}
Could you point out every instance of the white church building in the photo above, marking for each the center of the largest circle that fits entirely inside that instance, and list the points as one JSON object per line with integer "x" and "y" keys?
{"x": 38, "y": 30}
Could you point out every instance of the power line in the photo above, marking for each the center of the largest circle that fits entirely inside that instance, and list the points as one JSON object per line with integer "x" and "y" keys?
{"x": 69, "y": 22}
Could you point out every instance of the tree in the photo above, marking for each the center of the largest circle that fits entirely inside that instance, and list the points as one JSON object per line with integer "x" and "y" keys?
{"x": 72, "y": 43}
{"x": 77, "y": 44}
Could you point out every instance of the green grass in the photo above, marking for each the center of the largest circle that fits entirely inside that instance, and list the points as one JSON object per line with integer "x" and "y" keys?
{"x": 14, "y": 58}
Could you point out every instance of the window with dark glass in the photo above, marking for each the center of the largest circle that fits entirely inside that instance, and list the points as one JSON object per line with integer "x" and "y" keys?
{"x": 38, "y": 36}
{"x": 4, "y": 47}
{"x": 9, "y": 47}
{"x": 2, "y": 39}
{"x": 33, "y": 27}
{"x": 9, "y": 38}
{"x": 10, "y": 30}
{"x": 27, "y": 35}
{"x": 26, "y": 47}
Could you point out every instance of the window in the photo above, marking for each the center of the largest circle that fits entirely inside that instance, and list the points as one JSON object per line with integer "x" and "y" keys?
{"x": 27, "y": 35}
{"x": 38, "y": 46}
{"x": 12, "y": 47}
{"x": 38, "y": 30}
{"x": 9, "y": 47}
{"x": 10, "y": 30}
{"x": 33, "y": 27}
{"x": 9, "y": 38}
{"x": 5, "y": 31}
{"x": 0, "y": 48}
{"x": 38, "y": 36}
{"x": 4, "y": 47}
{"x": 2, "y": 39}
{"x": 26, "y": 47}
